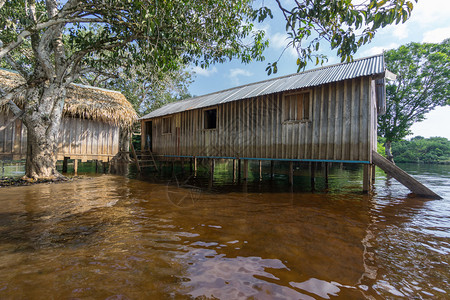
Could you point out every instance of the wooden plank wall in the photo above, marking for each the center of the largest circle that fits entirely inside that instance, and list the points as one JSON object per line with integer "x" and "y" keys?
{"x": 342, "y": 126}
{"x": 78, "y": 138}
{"x": 87, "y": 139}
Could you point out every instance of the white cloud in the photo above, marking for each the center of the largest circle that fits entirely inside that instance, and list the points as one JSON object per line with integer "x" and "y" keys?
{"x": 204, "y": 72}
{"x": 377, "y": 50}
{"x": 235, "y": 73}
{"x": 436, "y": 35}
{"x": 429, "y": 11}
{"x": 400, "y": 31}
{"x": 279, "y": 41}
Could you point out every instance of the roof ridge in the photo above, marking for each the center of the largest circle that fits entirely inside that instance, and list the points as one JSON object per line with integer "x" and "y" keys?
{"x": 281, "y": 77}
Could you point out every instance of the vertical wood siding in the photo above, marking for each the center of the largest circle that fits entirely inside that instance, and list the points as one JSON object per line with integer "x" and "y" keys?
{"x": 341, "y": 126}
{"x": 78, "y": 138}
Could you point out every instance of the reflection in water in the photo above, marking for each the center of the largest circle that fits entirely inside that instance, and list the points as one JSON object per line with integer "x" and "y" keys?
{"x": 181, "y": 237}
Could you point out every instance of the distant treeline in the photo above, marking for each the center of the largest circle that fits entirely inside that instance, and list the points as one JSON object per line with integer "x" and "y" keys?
{"x": 420, "y": 150}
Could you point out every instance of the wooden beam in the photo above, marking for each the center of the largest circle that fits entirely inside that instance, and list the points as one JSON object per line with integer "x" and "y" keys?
{"x": 403, "y": 177}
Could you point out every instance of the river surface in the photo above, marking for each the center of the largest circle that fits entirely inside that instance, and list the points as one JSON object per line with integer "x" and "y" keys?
{"x": 115, "y": 237}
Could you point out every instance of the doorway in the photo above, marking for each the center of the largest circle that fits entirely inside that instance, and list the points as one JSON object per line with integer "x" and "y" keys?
{"x": 148, "y": 136}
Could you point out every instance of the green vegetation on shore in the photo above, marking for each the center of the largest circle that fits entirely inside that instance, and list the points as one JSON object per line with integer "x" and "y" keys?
{"x": 421, "y": 150}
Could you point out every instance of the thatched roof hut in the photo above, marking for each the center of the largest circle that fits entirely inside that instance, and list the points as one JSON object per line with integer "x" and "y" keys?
{"x": 90, "y": 128}
{"x": 82, "y": 101}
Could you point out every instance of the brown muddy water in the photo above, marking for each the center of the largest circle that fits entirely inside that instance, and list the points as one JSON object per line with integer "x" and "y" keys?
{"x": 115, "y": 237}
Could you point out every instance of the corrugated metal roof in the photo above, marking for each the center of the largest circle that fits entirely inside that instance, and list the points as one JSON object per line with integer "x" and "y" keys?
{"x": 362, "y": 67}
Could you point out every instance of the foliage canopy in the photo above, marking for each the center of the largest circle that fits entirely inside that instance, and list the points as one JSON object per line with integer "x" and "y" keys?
{"x": 423, "y": 83}
{"x": 419, "y": 149}
{"x": 344, "y": 24}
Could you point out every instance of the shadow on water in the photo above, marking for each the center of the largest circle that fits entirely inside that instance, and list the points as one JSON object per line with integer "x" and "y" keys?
{"x": 166, "y": 236}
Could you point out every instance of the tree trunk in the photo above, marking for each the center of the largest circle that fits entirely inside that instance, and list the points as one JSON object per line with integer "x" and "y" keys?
{"x": 42, "y": 117}
{"x": 124, "y": 144}
{"x": 388, "y": 151}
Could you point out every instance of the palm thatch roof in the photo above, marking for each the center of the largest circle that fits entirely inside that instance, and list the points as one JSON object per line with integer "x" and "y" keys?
{"x": 82, "y": 101}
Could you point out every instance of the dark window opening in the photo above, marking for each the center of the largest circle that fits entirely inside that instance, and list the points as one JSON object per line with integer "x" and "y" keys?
{"x": 210, "y": 117}
{"x": 296, "y": 107}
{"x": 167, "y": 125}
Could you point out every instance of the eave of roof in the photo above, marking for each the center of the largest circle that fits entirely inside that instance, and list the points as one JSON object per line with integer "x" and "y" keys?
{"x": 368, "y": 66}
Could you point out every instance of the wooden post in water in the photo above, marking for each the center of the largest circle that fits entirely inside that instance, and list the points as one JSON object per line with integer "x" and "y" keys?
{"x": 173, "y": 166}
{"x": 195, "y": 166}
{"x": 326, "y": 175}
{"x": 182, "y": 165}
{"x": 271, "y": 169}
{"x": 313, "y": 176}
{"x": 75, "y": 166}
{"x": 239, "y": 169}
{"x": 260, "y": 170}
{"x": 373, "y": 174}
{"x": 105, "y": 167}
{"x": 211, "y": 169}
{"x": 245, "y": 169}
{"x": 291, "y": 173}
{"x": 65, "y": 161}
{"x": 367, "y": 180}
{"x": 234, "y": 170}
{"x": 190, "y": 165}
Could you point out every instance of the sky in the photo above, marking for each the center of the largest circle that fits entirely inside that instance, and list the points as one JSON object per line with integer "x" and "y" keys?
{"x": 430, "y": 22}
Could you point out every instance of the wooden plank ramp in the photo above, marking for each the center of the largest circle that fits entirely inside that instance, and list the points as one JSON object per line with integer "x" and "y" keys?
{"x": 404, "y": 178}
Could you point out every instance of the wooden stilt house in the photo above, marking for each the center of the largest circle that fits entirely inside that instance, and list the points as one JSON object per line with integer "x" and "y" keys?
{"x": 323, "y": 115}
{"x": 93, "y": 122}
{"x": 327, "y": 114}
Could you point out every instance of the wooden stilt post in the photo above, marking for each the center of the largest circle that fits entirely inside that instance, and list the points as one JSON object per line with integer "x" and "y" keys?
{"x": 245, "y": 169}
{"x": 260, "y": 170}
{"x": 195, "y": 166}
{"x": 291, "y": 173}
{"x": 65, "y": 161}
{"x": 271, "y": 169}
{"x": 234, "y": 170}
{"x": 173, "y": 166}
{"x": 105, "y": 166}
{"x": 211, "y": 169}
{"x": 326, "y": 175}
{"x": 75, "y": 166}
{"x": 367, "y": 181}
{"x": 182, "y": 165}
{"x": 239, "y": 169}
{"x": 190, "y": 165}
{"x": 313, "y": 176}
{"x": 373, "y": 173}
